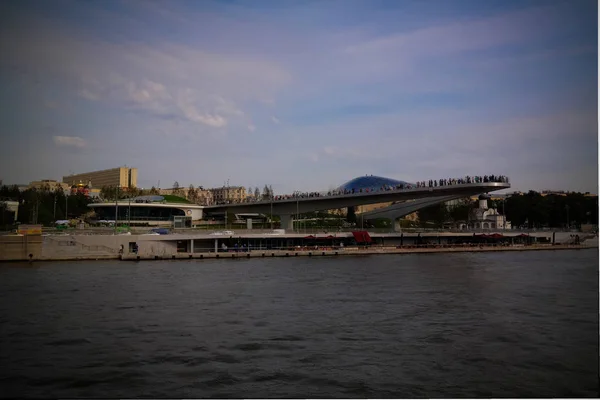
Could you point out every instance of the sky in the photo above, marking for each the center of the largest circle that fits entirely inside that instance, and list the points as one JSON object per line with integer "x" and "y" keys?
{"x": 301, "y": 94}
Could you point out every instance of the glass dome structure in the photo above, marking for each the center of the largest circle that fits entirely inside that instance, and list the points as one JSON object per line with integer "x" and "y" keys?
{"x": 370, "y": 181}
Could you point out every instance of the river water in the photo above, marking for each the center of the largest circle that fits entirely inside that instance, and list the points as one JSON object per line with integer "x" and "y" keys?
{"x": 424, "y": 325}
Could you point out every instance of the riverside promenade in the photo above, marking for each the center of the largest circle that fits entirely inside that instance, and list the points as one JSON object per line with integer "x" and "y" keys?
{"x": 233, "y": 245}
{"x": 349, "y": 251}
{"x": 352, "y": 251}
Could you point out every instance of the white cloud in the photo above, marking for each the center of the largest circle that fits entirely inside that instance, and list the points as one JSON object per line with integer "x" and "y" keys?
{"x": 329, "y": 151}
{"x": 162, "y": 78}
{"x": 233, "y": 71}
{"x": 88, "y": 95}
{"x": 147, "y": 91}
{"x": 71, "y": 141}
{"x": 466, "y": 35}
{"x": 51, "y": 104}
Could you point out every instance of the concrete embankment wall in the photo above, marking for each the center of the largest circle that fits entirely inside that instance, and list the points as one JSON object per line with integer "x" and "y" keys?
{"x": 20, "y": 247}
{"x": 92, "y": 247}
{"x": 79, "y": 247}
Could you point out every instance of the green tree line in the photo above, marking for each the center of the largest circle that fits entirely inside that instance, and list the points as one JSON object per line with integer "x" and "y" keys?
{"x": 531, "y": 210}
{"x": 553, "y": 211}
{"x": 43, "y": 206}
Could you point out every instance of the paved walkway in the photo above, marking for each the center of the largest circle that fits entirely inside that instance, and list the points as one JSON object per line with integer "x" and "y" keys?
{"x": 349, "y": 251}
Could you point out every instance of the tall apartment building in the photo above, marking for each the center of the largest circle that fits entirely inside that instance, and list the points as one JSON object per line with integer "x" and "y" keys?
{"x": 228, "y": 193}
{"x": 122, "y": 177}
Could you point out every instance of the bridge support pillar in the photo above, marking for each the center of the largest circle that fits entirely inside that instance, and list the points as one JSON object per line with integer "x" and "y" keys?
{"x": 287, "y": 222}
{"x": 397, "y": 225}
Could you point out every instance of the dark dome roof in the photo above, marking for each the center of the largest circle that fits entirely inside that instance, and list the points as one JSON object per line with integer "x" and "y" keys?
{"x": 484, "y": 196}
{"x": 370, "y": 181}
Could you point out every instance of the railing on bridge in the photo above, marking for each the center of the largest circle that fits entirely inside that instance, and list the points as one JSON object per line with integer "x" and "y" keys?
{"x": 468, "y": 180}
{"x": 432, "y": 183}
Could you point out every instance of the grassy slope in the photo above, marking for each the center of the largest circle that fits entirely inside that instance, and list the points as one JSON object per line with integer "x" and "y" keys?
{"x": 169, "y": 198}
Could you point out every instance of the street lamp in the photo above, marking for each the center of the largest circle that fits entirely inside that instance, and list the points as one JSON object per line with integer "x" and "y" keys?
{"x": 503, "y": 213}
{"x": 226, "y": 201}
{"x": 116, "y": 207}
{"x": 271, "y": 198}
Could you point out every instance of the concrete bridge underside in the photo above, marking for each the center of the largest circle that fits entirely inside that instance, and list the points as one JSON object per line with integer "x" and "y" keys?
{"x": 398, "y": 210}
{"x": 288, "y": 207}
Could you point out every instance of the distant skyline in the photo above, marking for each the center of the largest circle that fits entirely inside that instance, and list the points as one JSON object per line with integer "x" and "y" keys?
{"x": 301, "y": 94}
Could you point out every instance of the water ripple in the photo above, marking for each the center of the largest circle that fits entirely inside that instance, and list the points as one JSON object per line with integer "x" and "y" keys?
{"x": 69, "y": 342}
{"x": 470, "y": 325}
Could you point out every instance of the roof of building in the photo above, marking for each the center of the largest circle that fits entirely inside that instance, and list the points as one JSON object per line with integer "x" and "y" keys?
{"x": 168, "y": 198}
{"x": 370, "y": 181}
{"x": 151, "y": 198}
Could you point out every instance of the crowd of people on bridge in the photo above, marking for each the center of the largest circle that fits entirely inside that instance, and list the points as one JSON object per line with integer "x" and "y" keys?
{"x": 463, "y": 181}
{"x": 384, "y": 188}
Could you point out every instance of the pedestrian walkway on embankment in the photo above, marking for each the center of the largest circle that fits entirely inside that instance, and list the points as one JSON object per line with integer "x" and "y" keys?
{"x": 348, "y": 251}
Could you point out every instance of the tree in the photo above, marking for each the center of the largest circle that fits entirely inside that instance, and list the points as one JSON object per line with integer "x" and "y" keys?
{"x": 44, "y": 206}
{"x": 192, "y": 194}
{"x": 265, "y": 193}
{"x": 10, "y": 192}
{"x": 134, "y": 192}
{"x": 153, "y": 191}
{"x": 175, "y": 188}
{"x": 552, "y": 210}
{"x": 461, "y": 210}
{"x": 108, "y": 192}
{"x": 256, "y": 193}
{"x": 351, "y": 215}
{"x": 7, "y": 218}
{"x": 437, "y": 213}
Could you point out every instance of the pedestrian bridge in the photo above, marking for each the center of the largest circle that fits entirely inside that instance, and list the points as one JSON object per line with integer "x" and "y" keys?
{"x": 288, "y": 206}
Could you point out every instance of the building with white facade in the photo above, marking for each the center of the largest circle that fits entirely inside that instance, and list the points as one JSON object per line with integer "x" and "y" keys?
{"x": 485, "y": 218}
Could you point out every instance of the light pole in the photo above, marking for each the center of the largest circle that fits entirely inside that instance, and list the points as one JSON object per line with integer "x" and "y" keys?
{"x": 297, "y": 215}
{"x": 37, "y": 208}
{"x": 116, "y": 207}
{"x": 66, "y": 206}
{"x": 568, "y": 222}
{"x": 54, "y": 206}
{"x": 226, "y": 201}
{"x": 503, "y": 213}
{"x": 271, "y": 212}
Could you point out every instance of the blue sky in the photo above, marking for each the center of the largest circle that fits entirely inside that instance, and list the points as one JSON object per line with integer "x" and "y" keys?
{"x": 302, "y": 95}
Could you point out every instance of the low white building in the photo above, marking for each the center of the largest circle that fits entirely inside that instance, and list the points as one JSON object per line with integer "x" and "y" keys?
{"x": 149, "y": 211}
